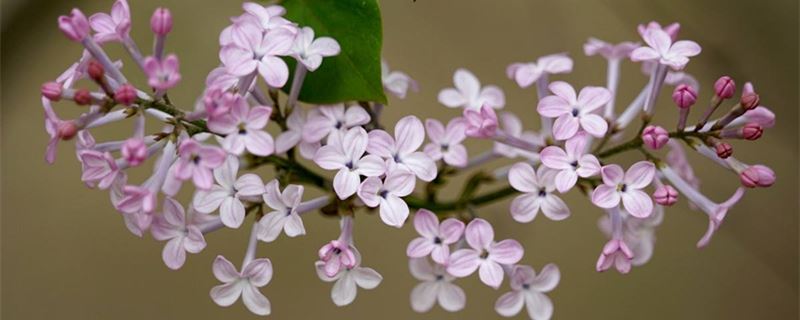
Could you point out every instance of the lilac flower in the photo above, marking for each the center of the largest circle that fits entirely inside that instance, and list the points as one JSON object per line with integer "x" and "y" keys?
{"x": 528, "y": 289}
{"x": 481, "y": 123}
{"x": 485, "y": 254}
{"x": 268, "y": 18}
{"x": 525, "y": 74}
{"x": 114, "y": 27}
{"x": 671, "y": 29}
{"x": 345, "y": 153}
{"x": 285, "y": 216}
{"x": 396, "y": 82}
{"x": 609, "y": 51}
{"x": 310, "y": 51}
{"x": 162, "y": 74}
{"x": 180, "y": 230}
{"x": 638, "y": 234}
{"x": 469, "y": 94}
{"x": 537, "y": 188}
{"x": 573, "y": 112}
{"x": 617, "y": 253}
{"x": 512, "y": 127}
{"x": 435, "y": 238}
{"x": 197, "y": 161}
{"x": 661, "y": 48}
{"x": 251, "y": 50}
{"x": 292, "y": 137}
{"x": 98, "y": 168}
{"x": 401, "y": 151}
{"x": 75, "y": 26}
{"x": 626, "y": 187}
{"x": 229, "y": 193}
{"x": 388, "y": 195}
{"x": 255, "y": 274}
{"x": 243, "y": 128}
{"x": 348, "y": 280}
{"x": 134, "y": 151}
{"x": 339, "y": 253}
{"x": 57, "y": 129}
{"x": 570, "y": 164}
{"x": 326, "y": 119}
{"x": 436, "y": 286}
{"x": 446, "y": 142}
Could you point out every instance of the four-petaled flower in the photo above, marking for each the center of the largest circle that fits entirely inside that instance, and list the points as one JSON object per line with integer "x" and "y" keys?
{"x": 661, "y": 48}
{"x": 162, "y": 74}
{"x": 388, "y": 195}
{"x": 537, "y": 188}
{"x": 573, "y": 112}
{"x": 616, "y": 252}
{"x": 528, "y": 289}
{"x": 310, "y": 51}
{"x": 255, "y": 274}
{"x": 626, "y": 187}
{"x": 197, "y": 161}
{"x": 469, "y": 94}
{"x": 348, "y": 280}
{"x": 181, "y": 231}
{"x": 243, "y": 128}
{"x": 323, "y": 120}
{"x": 484, "y": 253}
{"x": 229, "y": 193}
{"x": 98, "y": 168}
{"x": 345, "y": 152}
{"x": 525, "y": 74}
{"x": 113, "y": 27}
{"x": 293, "y": 136}
{"x": 436, "y": 286}
{"x": 572, "y": 163}
{"x": 401, "y": 151}
{"x": 446, "y": 142}
{"x": 285, "y": 216}
{"x": 435, "y": 238}
{"x": 253, "y": 50}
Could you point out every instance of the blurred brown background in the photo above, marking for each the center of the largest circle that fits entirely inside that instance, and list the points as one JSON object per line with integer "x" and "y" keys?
{"x": 66, "y": 253}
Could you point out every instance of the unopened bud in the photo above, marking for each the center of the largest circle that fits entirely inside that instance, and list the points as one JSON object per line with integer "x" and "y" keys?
{"x": 126, "y": 94}
{"x": 161, "y": 21}
{"x": 757, "y": 176}
{"x": 724, "y": 87}
{"x": 665, "y": 195}
{"x": 83, "y": 97}
{"x": 684, "y": 96}
{"x": 67, "y": 130}
{"x": 724, "y": 150}
{"x": 752, "y": 131}
{"x": 750, "y": 101}
{"x": 95, "y": 70}
{"x": 52, "y": 91}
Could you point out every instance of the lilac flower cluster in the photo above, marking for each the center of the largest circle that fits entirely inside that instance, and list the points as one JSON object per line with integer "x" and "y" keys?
{"x": 212, "y": 147}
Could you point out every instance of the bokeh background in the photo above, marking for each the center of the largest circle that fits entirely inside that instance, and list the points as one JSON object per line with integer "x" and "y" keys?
{"x": 66, "y": 253}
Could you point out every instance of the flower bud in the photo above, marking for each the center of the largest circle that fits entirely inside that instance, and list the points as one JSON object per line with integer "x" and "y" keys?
{"x": 95, "y": 70}
{"x": 83, "y": 97}
{"x": 134, "y": 151}
{"x": 724, "y": 87}
{"x": 757, "y": 176}
{"x": 665, "y": 195}
{"x": 161, "y": 21}
{"x": 749, "y": 101}
{"x": 66, "y": 130}
{"x": 481, "y": 123}
{"x": 724, "y": 150}
{"x": 684, "y": 96}
{"x": 655, "y": 137}
{"x": 126, "y": 94}
{"x": 52, "y": 91}
{"x": 752, "y": 131}
{"x": 75, "y": 26}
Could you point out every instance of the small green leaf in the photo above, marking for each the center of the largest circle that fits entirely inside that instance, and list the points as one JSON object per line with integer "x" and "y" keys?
{"x": 354, "y": 74}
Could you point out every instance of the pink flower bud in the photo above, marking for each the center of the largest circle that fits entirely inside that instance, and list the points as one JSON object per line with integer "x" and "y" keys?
{"x": 83, "y": 97}
{"x": 684, "y": 96}
{"x": 665, "y": 195}
{"x": 752, "y": 131}
{"x": 749, "y": 101}
{"x": 66, "y": 130}
{"x": 757, "y": 176}
{"x": 655, "y": 137}
{"x": 134, "y": 151}
{"x": 161, "y": 21}
{"x": 481, "y": 124}
{"x": 126, "y": 94}
{"x": 95, "y": 70}
{"x": 75, "y": 26}
{"x": 724, "y": 150}
{"x": 52, "y": 91}
{"x": 724, "y": 87}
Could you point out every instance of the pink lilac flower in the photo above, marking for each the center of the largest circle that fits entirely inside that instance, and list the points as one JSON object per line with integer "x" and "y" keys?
{"x": 512, "y": 127}
{"x": 134, "y": 151}
{"x": 326, "y": 119}
{"x": 229, "y": 193}
{"x": 113, "y": 27}
{"x": 75, "y": 26}
{"x": 528, "y": 289}
{"x": 626, "y": 187}
{"x": 609, "y": 51}
{"x": 662, "y": 49}
{"x": 396, "y": 82}
{"x": 484, "y": 254}
{"x": 446, "y": 142}
{"x": 310, "y": 51}
{"x": 98, "y": 168}
{"x": 574, "y": 112}
{"x": 435, "y": 238}
{"x": 349, "y": 280}
{"x": 293, "y": 136}
{"x": 162, "y": 74}
{"x": 388, "y": 195}
{"x": 197, "y": 161}
{"x": 252, "y": 50}
{"x": 617, "y": 253}
{"x": 571, "y": 162}
{"x": 671, "y": 29}
{"x": 284, "y": 216}
{"x": 480, "y": 123}
{"x": 255, "y": 274}
{"x": 181, "y": 231}
{"x": 401, "y": 151}
{"x": 638, "y": 234}
{"x": 345, "y": 153}
{"x": 655, "y": 137}
{"x": 339, "y": 253}
{"x": 525, "y": 74}
{"x": 469, "y": 94}
{"x": 538, "y": 193}
{"x": 436, "y": 286}
{"x": 243, "y": 128}
{"x": 269, "y": 17}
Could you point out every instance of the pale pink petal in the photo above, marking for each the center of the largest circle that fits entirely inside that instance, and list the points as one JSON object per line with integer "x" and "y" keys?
{"x": 231, "y": 212}
{"x": 258, "y": 272}
{"x": 555, "y": 158}
{"x": 224, "y": 270}
{"x": 409, "y": 133}
{"x": 685, "y": 48}
{"x": 565, "y": 180}
{"x": 426, "y": 223}
{"x": 510, "y": 304}
{"x": 255, "y": 301}
{"x": 547, "y": 279}
{"x": 356, "y": 116}
{"x": 451, "y": 230}
{"x": 588, "y": 166}
{"x": 451, "y": 297}
{"x": 605, "y": 196}
{"x": 345, "y": 183}
{"x": 539, "y": 306}
{"x": 421, "y": 269}
{"x": 419, "y": 247}
{"x": 294, "y": 226}
{"x": 594, "y": 125}
{"x": 466, "y": 82}
{"x": 491, "y": 274}
{"x": 452, "y": 98}
{"x": 493, "y": 97}
{"x": 479, "y": 234}
{"x": 381, "y": 144}
{"x": 456, "y": 156}
{"x": 238, "y": 61}
{"x": 463, "y": 263}
{"x": 553, "y": 106}
{"x": 640, "y": 175}
{"x": 555, "y": 208}
{"x": 592, "y": 98}
{"x": 508, "y": 251}
{"x": 657, "y": 39}
{"x": 565, "y": 127}
{"x": 368, "y": 191}
{"x": 612, "y": 174}
{"x": 400, "y": 182}
{"x": 371, "y": 166}
{"x": 522, "y": 177}
{"x": 524, "y": 208}
{"x": 563, "y": 90}
{"x": 393, "y": 211}
{"x": 422, "y": 165}
{"x": 423, "y": 296}
{"x": 226, "y": 294}
{"x": 644, "y": 54}
{"x": 173, "y": 254}
{"x": 249, "y": 185}
{"x": 344, "y": 291}
{"x": 435, "y": 130}
{"x": 270, "y": 226}
{"x": 367, "y": 278}
{"x": 637, "y": 203}
{"x": 274, "y": 71}
{"x": 259, "y": 143}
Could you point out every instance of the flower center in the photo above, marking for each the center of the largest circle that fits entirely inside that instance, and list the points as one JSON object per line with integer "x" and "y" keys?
{"x": 445, "y": 147}
{"x": 575, "y": 112}
{"x": 337, "y": 251}
{"x": 196, "y": 159}
{"x": 439, "y": 277}
{"x": 526, "y": 286}
{"x": 623, "y": 187}
{"x": 383, "y": 193}
{"x": 574, "y": 164}
{"x": 484, "y": 254}
{"x": 437, "y": 240}
{"x": 338, "y": 124}
{"x": 349, "y": 165}
{"x": 542, "y": 193}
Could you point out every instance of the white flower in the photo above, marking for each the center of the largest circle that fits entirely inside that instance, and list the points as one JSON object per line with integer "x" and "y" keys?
{"x": 348, "y": 280}
{"x": 436, "y": 286}
{"x": 528, "y": 290}
{"x": 228, "y": 193}
{"x": 285, "y": 216}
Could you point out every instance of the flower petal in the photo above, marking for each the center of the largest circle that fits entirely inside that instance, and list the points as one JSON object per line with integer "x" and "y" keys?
{"x": 463, "y": 263}
{"x": 423, "y": 296}
{"x": 255, "y": 301}
{"x": 479, "y": 234}
{"x": 508, "y": 251}
{"x": 637, "y": 203}
{"x": 491, "y": 274}
{"x": 594, "y": 124}
{"x": 226, "y": 294}
{"x": 565, "y": 127}
{"x": 344, "y": 291}
{"x": 510, "y": 304}
{"x": 524, "y": 208}
{"x": 451, "y": 297}
{"x": 640, "y": 175}
{"x": 426, "y": 223}
{"x": 605, "y": 196}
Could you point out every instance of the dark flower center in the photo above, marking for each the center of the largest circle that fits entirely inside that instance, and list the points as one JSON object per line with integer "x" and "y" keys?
{"x": 437, "y": 240}
{"x": 575, "y": 112}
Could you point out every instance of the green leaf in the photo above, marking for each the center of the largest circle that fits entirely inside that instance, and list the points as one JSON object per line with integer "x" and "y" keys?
{"x": 354, "y": 74}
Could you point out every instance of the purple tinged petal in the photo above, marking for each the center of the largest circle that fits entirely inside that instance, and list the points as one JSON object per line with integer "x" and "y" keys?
{"x": 463, "y": 262}
{"x": 400, "y": 182}
{"x": 592, "y": 98}
{"x": 426, "y": 223}
{"x": 564, "y": 90}
{"x": 594, "y": 124}
{"x": 565, "y": 127}
{"x": 553, "y": 106}
{"x": 421, "y": 269}
{"x": 637, "y": 203}
{"x": 368, "y": 191}
{"x": 226, "y": 294}
{"x": 255, "y": 301}
{"x": 258, "y": 272}
{"x": 270, "y": 226}
{"x": 547, "y": 279}
{"x": 249, "y": 185}
{"x": 508, "y": 251}
{"x": 366, "y": 278}
{"x": 435, "y": 129}
{"x": 510, "y": 303}
{"x": 524, "y": 208}
{"x": 644, "y": 54}
{"x": 345, "y": 183}
{"x": 565, "y": 180}
{"x": 356, "y": 116}
{"x": 381, "y": 144}
{"x": 640, "y": 175}
{"x": 422, "y": 165}
{"x": 612, "y": 174}
{"x": 409, "y": 134}
{"x": 555, "y": 158}
{"x": 492, "y": 96}
{"x": 466, "y": 83}
{"x": 451, "y": 230}
{"x": 588, "y": 166}
{"x": 344, "y": 291}
{"x": 479, "y": 234}
{"x": 231, "y": 212}
{"x": 491, "y": 274}
{"x": 452, "y": 98}
{"x": 393, "y": 211}
{"x": 423, "y": 296}
{"x": 605, "y": 196}
{"x": 451, "y": 297}
{"x": 274, "y": 70}
{"x": 224, "y": 270}
{"x": 419, "y": 247}
{"x": 522, "y": 177}
{"x": 539, "y": 306}
{"x": 173, "y": 254}
{"x": 555, "y": 208}
{"x": 456, "y": 156}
